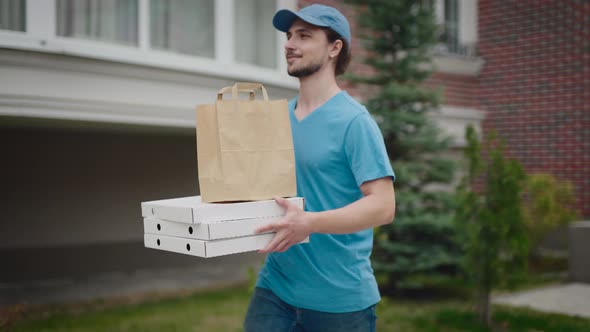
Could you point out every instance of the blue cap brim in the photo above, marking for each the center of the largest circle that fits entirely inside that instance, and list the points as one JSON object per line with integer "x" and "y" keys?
{"x": 284, "y": 18}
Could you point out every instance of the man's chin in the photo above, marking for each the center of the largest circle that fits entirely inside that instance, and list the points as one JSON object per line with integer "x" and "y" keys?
{"x": 294, "y": 72}
{"x": 301, "y": 72}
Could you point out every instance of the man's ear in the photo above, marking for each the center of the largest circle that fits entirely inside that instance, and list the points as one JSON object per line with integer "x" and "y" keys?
{"x": 336, "y": 48}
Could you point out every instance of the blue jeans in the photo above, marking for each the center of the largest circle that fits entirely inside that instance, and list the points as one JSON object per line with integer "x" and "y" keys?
{"x": 268, "y": 313}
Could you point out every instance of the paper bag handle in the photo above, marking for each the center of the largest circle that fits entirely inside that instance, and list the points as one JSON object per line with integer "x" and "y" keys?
{"x": 240, "y": 86}
{"x": 244, "y": 87}
{"x": 229, "y": 89}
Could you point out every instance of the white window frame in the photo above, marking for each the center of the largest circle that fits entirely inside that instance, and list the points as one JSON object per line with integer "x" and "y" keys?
{"x": 454, "y": 63}
{"x": 40, "y": 35}
{"x": 467, "y": 23}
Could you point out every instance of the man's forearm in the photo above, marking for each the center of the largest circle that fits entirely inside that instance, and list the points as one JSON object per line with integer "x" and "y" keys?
{"x": 368, "y": 212}
{"x": 377, "y": 207}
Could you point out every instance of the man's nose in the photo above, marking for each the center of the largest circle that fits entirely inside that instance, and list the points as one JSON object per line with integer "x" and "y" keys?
{"x": 289, "y": 45}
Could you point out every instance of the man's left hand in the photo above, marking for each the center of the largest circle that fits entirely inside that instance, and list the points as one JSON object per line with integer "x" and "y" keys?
{"x": 293, "y": 228}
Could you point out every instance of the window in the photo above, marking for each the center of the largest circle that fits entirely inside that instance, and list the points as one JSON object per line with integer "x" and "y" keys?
{"x": 113, "y": 21}
{"x": 183, "y": 26}
{"x": 225, "y": 38}
{"x": 458, "y": 24}
{"x": 12, "y": 15}
{"x": 255, "y": 38}
{"x": 450, "y": 35}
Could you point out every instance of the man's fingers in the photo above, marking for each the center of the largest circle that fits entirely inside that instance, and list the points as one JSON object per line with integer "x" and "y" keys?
{"x": 265, "y": 228}
{"x": 283, "y": 246}
{"x": 282, "y": 202}
{"x": 271, "y": 246}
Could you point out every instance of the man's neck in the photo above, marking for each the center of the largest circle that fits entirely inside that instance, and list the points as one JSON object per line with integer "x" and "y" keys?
{"x": 315, "y": 90}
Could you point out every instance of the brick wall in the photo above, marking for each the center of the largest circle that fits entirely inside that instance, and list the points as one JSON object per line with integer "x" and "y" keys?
{"x": 458, "y": 90}
{"x": 535, "y": 84}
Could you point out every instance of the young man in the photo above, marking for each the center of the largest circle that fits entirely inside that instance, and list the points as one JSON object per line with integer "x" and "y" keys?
{"x": 345, "y": 176}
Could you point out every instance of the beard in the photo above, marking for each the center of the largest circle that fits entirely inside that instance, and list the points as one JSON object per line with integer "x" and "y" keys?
{"x": 305, "y": 71}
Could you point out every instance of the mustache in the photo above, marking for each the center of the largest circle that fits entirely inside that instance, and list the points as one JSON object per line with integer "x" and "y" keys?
{"x": 291, "y": 53}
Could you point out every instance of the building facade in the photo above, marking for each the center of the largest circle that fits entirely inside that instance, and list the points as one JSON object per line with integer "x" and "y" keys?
{"x": 535, "y": 85}
{"x": 526, "y": 66}
{"x": 97, "y": 104}
{"x": 97, "y": 114}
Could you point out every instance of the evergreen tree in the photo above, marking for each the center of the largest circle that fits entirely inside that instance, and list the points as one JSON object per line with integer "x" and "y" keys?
{"x": 399, "y": 36}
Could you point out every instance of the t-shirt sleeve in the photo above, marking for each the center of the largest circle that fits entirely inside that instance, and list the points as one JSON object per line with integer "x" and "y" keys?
{"x": 366, "y": 151}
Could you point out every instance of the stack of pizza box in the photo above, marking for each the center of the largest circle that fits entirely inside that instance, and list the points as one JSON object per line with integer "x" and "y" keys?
{"x": 189, "y": 226}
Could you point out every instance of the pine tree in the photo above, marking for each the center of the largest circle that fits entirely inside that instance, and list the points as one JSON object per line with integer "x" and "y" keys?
{"x": 399, "y": 36}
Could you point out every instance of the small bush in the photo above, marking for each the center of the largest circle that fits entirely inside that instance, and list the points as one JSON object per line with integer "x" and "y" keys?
{"x": 547, "y": 204}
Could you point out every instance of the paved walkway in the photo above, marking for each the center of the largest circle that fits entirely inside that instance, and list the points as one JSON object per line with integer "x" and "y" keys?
{"x": 208, "y": 273}
{"x": 113, "y": 285}
{"x": 570, "y": 299}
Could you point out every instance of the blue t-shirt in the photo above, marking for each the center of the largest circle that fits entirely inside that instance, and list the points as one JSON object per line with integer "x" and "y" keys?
{"x": 338, "y": 147}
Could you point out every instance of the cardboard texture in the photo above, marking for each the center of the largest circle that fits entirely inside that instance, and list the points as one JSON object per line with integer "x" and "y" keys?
{"x": 244, "y": 147}
{"x": 189, "y": 226}
{"x": 193, "y": 210}
{"x": 207, "y": 249}
{"x": 209, "y": 231}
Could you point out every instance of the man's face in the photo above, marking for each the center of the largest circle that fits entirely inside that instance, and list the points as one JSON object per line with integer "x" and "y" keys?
{"x": 306, "y": 49}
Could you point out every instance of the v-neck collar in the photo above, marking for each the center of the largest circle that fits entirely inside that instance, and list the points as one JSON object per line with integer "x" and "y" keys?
{"x": 319, "y": 108}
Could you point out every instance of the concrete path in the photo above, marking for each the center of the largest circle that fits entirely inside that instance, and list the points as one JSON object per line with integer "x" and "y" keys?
{"x": 208, "y": 273}
{"x": 570, "y": 299}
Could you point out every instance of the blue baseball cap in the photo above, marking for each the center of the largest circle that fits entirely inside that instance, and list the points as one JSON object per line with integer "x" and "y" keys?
{"x": 318, "y": 15}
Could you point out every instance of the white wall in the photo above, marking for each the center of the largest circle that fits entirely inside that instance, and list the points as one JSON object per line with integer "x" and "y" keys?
{"x": 42, "y": 85}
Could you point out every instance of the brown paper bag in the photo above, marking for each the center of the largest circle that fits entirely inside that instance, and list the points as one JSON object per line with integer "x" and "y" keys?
{"x": 244, "y": 147}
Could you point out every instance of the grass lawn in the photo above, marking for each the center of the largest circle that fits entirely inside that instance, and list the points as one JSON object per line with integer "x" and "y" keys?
{"x": 223, "y": 310}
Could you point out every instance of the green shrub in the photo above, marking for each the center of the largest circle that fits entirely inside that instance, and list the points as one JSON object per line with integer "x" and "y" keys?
{"x": 490, "y": 220}
{"x": 547, "y": 204}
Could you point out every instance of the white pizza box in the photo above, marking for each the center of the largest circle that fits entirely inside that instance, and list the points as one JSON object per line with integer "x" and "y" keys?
{"x": 208, "y": 231}
{"x": 208, "y": 248}
{"x": 193, "y": 210}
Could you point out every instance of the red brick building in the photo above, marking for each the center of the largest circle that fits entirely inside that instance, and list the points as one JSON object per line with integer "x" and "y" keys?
{"x": 535, "y": 85}
{"x": 526, "y": 64}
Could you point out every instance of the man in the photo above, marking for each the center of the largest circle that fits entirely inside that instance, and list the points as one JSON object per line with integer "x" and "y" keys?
{"x": 344, "y": 174}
